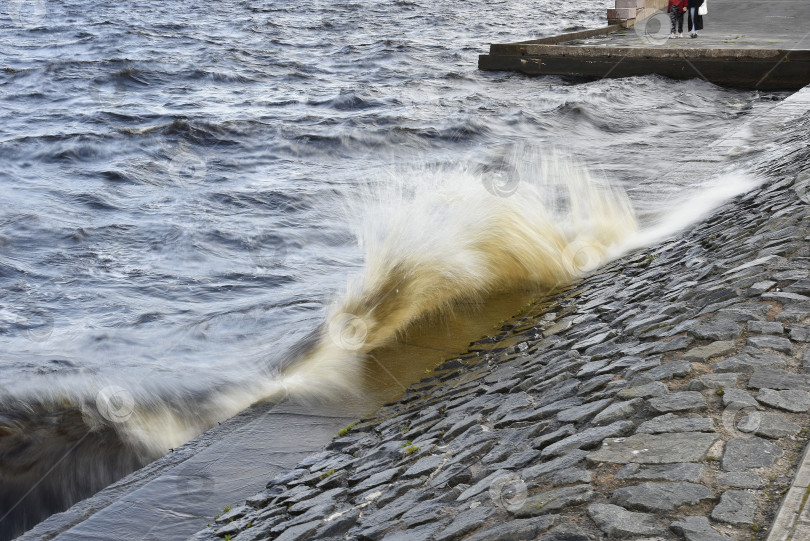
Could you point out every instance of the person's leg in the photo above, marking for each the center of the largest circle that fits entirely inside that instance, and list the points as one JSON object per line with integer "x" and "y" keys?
{"x": 673, "y": 14}
{"x": 692, "y": 13}
{"x": 680, "y": 22}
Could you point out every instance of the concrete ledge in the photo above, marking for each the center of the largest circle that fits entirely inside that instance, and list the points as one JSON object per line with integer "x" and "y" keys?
{"x": 549, "y": 50}
{"x": 562, "y": 38}
{"x": 755, "y": 69}
{"x": 622, "y": 13}
{"x": 634, "y": 4}
{"x": 734, "y": 50}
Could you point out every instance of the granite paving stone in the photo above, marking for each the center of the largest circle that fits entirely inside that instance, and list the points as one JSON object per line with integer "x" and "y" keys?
{"x": 567, "y": 532}
{"x": 686, "y": 471}
{"x": 740, "y": 479}
{"x": 679, "y": 401}
{"x": 617, "y": 411}
{"x": 768, "y": 425}
{"x": 647, "y": 390}
{"x": 674, "y": 369}
{"x": 324, "y": 497}
{"x": 464, "y": 523}
{"x": 739, "y": 398}
{"x": 514, "y": 530}
{"x": 717, "y": 330}
{"x": 716, "y": 381}
{"x": 420, "y": 533}
{"x": 799, "y": 333}
{"x": 579, "y": 413}
{"x": 697, "y": 528}
{"x": 299, "y": 532}
{"x": 569, "y": 476}
{"x": 776, "y": 343}
{"x": 790, "y": 400}
{"x": 736, "y": 507}
{"x": 587, "y": 438}
{"x": 481, "y": 485}
{"x": 777, "y": 379}
{"x": 546, "y": 439}
{"x": 339, "y": 525}
{"x": 749, "y": 360}
{"x": 766, "y": 327}
{"x": 424, "y": 465}
{"x": 660, "y": 496}
{"x": 673, "y": 423}
{"x": 594, "y": 383}
{"x": 704, "y": 353}
{"x": 616, "y": 521}
{"x": 745, "y": 453}
{"x": 568, "y": 460}
{"x": 555, "y": 500}
{"x": 680, "y": 342}
{"x": 655, "y": 448}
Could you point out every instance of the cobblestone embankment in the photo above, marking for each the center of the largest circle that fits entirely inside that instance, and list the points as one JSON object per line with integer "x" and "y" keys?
{"x": 663, "y": 397}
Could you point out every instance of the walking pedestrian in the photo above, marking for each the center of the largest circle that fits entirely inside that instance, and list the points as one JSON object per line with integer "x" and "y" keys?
{"x": 695, "y": 18}
{"x": 676, "y": 10}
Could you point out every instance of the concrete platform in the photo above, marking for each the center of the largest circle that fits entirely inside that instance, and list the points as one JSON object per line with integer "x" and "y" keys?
{"x": 176, "y": 496}
{"x": 743, "y": 45}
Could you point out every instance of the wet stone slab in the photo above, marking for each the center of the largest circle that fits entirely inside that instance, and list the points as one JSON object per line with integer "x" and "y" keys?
{"x": 660, "y": 496}
{"x": 616, "y": 521}
{"x": 655, "y": 448}
{"x": 667, "y": 472}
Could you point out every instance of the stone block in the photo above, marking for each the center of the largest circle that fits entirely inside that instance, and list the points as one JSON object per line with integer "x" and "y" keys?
{"x": 622, "y": 13}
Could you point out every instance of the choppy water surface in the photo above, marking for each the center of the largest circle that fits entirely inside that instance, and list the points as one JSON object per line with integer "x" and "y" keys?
{"x": 174, "y": 176}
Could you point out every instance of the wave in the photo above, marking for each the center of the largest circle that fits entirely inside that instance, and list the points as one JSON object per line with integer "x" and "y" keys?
{"x": 437, "y": 238}
{"x": 434, "y": 239}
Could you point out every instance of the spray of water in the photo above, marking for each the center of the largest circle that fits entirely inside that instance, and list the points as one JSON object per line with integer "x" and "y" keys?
{"x": 438, "y": 238}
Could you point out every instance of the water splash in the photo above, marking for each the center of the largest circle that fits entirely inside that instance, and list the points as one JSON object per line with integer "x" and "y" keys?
{"x": 436, "y": 238}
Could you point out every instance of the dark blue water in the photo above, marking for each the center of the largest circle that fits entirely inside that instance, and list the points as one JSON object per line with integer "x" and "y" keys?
{"x": 170, "y": 172}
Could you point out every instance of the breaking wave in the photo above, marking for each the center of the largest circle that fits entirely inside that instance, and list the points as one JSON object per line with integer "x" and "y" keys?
{"x": 437, "y": 239}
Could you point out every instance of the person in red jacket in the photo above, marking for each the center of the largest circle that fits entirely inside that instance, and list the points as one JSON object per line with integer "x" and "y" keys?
{"x": 676, "y": 10}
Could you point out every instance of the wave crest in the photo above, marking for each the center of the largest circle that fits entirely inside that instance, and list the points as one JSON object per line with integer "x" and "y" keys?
{"x": 436, "y": 238}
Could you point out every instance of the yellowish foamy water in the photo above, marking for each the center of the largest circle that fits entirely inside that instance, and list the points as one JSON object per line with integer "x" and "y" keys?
{"x": 436, "y": 240}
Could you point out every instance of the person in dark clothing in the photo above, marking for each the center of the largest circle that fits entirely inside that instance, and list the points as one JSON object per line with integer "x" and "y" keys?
{"x": 676, "y": 9}
{"x": 695, "y": 19}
